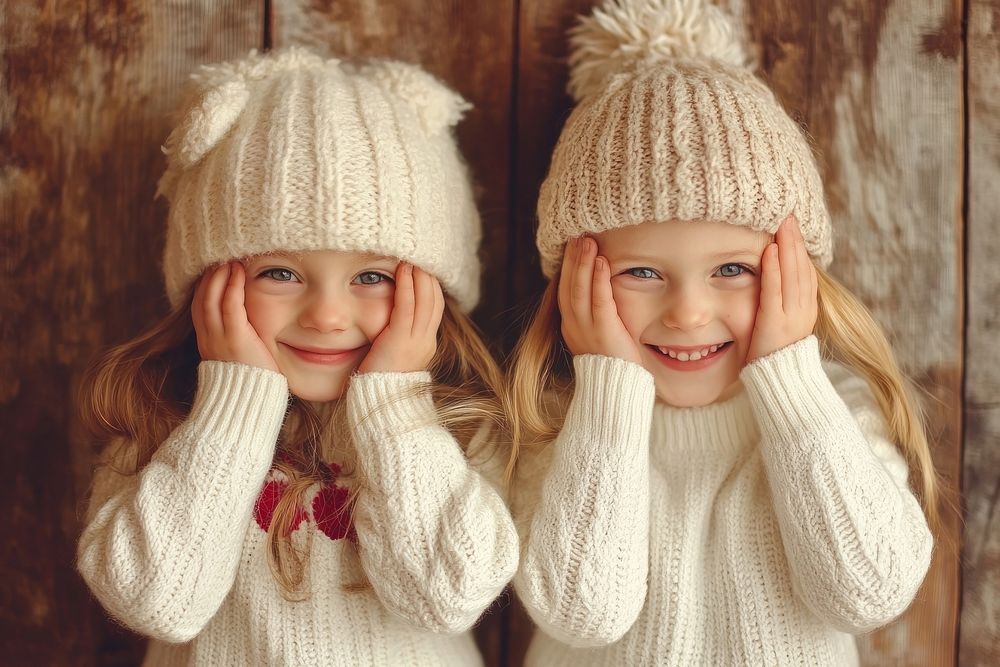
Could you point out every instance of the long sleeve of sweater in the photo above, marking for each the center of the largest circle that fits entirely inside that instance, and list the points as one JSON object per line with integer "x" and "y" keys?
{"x": 856, "y": 539}
{"x": 585, "y": 558}
{"x": 161, "y": 547}
{"x": 436, "y": 538}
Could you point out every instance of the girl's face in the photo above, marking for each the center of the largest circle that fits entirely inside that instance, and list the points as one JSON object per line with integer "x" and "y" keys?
{"x": 688, "y": 294}
{"x": 318, "y": 313}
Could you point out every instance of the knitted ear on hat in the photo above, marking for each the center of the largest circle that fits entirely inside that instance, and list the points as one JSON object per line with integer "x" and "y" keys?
{"x": 437, "y": 106}
{"x": 624, "y": 34}
{"x": 220, "y": 93}
{"x": 206, "y": 123}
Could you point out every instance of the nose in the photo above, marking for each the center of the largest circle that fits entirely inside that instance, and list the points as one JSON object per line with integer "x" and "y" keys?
{"x": 325, "y": 311}
{"x": 686, "y": 308}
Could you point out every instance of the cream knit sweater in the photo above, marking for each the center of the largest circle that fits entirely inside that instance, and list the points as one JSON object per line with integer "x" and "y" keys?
{"x": 763, "y": 530}
{"x": 177, "y": 552}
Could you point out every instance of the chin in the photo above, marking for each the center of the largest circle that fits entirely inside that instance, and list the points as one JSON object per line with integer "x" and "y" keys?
{"x": 688, "y": 399}
{"x": 317, "y": 394}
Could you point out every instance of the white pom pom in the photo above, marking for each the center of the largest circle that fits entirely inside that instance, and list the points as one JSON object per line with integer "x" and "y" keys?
{"x": 437, "y": 106}
{"x": 626, "y": 33}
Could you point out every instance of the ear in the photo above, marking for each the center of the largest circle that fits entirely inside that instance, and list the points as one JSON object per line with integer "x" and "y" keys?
{"x": 208, "y": 120}
{"x": 437, "y": 106}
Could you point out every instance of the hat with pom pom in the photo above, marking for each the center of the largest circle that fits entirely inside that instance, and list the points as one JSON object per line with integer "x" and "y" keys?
{"x": 671, "y": 124}
{"x": 288, "y": 151}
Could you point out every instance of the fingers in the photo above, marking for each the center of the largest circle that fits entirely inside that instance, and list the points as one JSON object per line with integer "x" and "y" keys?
{"x": 789, "y": 262}
{"x": 403, "y": 299}
{"x": 603, "y": 300}
{"x": 566, "y": 275}
{"x": 426, "y": 294}
{"x": 583, "y": 281}
{"x": 576, "y": 282}
{"x": 770, "y": 279}
{"x": 211, "y": 312}
{"x": 234, "y": 313}
{"x": 804, "y": 267}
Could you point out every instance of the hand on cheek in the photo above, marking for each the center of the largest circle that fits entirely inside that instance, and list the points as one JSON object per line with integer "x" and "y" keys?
{"x": 409, "y": 341}
{"x": 220, "y": 319}
{"x": 590, "y": 320}
{"x": 788, "y": 293}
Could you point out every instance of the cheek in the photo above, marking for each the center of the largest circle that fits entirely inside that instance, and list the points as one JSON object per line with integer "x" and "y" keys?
{"x": 373, "y": 315}
{"x": 741, "y": 312}
{"x": 264, "y": 313}
{"x": 633, "y": 308}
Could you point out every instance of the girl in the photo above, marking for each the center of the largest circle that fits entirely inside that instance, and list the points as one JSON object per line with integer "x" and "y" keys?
{"x": 725, "y": 476}
{"x": 281, "y": 487}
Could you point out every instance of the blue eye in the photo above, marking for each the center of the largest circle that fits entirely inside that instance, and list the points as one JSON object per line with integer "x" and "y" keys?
{"x": 643, "y": 273}
{"x": 371, "y": 278}
{"x": 279, "y": 275}
{"x": 732, "y": 270}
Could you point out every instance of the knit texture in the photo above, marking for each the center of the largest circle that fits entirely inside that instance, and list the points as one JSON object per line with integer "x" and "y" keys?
{"x": 292, "y": 152}
{"x": 671, "y": 125}
{"x": 778, "y": 523}
{"x": 178, "y": 551}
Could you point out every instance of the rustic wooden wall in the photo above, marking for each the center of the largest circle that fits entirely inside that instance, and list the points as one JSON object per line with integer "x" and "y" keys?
{"x": 85, "y": 95}
{"x": 980, "y": 636}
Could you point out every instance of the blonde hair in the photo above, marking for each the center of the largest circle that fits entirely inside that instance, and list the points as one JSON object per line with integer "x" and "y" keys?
{"x": 141, "y": 390}
{"x": 847, "y": 333}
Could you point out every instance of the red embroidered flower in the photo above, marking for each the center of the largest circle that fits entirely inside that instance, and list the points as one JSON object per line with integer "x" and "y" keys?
{"x": 330, "y": 506}
{"x": 267, "y": 502}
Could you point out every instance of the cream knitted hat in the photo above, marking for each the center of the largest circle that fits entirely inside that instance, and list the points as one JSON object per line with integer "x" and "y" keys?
{"x": 672, "y": 125}
{"x": 288, "y": 151}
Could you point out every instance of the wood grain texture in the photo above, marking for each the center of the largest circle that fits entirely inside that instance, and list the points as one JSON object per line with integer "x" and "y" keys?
{"x": 979, "y": 643}
{"x": 542, "y": 106}
{"x": 87, "y": 91}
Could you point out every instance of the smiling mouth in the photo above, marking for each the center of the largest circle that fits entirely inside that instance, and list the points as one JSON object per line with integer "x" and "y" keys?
{"x": 323, "y": 356}
{"x": 691, "y": 355}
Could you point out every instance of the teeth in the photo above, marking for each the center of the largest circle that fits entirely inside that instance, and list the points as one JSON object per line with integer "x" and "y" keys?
{"x": 690, "y": 356}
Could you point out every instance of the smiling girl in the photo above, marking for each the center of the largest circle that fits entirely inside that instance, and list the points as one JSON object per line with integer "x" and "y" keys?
{"x": 300, "y": 462}
{"x": 714, "y": 444}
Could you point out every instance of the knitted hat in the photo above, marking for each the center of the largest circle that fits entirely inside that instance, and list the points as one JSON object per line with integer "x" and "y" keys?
{"x": 291, "y": 152}
{"x": 672, "y": 125}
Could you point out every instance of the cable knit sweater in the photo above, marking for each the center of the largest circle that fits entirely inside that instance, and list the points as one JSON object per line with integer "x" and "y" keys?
{"x": 178, "y": 551}
{"x": 762, "y": 530}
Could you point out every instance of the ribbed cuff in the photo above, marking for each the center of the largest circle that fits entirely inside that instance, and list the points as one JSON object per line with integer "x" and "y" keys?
{"x": 238, "y": 403}
{"x": 393, "y": 402}
{"x": 613, "y": 397}
{"x": 791, "y": 393}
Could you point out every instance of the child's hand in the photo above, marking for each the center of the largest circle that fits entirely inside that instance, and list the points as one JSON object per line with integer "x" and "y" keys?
{"x": 590, "y": 321}
{"x": 220, "y": 319}
{"x": 409, "y": 341}
{"x": 788, "y": 303}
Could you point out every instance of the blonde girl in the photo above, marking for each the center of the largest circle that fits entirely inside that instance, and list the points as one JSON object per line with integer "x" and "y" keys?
{"x": 715, "y": 445}
{"x": 299, "y": 460}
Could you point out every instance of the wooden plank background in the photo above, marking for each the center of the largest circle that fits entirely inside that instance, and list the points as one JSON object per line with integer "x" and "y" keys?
{"x": 980, "y": 636}
{"x": 900, "y": 98}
